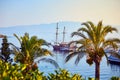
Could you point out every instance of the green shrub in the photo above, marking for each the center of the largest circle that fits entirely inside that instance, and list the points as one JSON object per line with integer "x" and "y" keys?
{"x": 89, "y": 78}
{"x": 63, "y": 74}
{"x": 115, "y": 78}
{"x": 18, "y": 72}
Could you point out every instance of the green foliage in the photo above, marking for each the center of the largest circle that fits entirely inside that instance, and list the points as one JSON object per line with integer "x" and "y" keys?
{"x": 63, "y": 74}
{"x": 17, "y": 72}
{"x": 5, "y": 50}
{"x": 89, "y": 78}
{"x": 92, "y": 41}
{"x": 31, "y": 48}
{"x": 115, "y": 78}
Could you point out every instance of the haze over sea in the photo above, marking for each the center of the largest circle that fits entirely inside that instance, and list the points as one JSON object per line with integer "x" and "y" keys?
{"x": 47, "y": 32}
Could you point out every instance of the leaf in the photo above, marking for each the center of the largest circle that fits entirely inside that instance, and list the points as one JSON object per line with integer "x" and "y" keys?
{"x": 4, "y": 74}
{"x": 23, "y": 67}
{"x": 28, "y": 54}
{"x": 49, "y": 61}
{"x": 17, "y": 38}
{"x": 71, "y": 55}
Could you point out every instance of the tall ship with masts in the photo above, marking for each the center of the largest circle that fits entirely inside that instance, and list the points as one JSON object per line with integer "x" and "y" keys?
{"x": 62, "y": 46}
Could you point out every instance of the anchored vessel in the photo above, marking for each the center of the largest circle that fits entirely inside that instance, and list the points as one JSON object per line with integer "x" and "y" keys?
{"x": 113, "y": 59}
{"x": 63, "y": 46}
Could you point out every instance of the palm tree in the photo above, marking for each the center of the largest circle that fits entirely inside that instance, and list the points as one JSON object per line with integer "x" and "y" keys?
{"x": 92, "y": 43}
{"x": 31, "y": 48}
{"x": 5, "y": 50}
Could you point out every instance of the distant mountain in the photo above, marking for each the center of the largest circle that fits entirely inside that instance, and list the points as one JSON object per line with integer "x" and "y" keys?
{"x": 44, "y": 31}
{"x": 40, "y": 27}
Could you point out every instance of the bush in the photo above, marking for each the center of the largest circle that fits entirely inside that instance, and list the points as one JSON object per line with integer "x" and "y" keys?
{"x": 20, "y": 72}
{"x": 89, "y": 78}
{"x": 17, "y": 72}
{"x": 115, "y": 78}
{"x": 63, "y": 74}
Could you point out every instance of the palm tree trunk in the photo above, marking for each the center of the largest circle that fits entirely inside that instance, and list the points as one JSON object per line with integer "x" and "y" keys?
{"x": 97, "y": 70}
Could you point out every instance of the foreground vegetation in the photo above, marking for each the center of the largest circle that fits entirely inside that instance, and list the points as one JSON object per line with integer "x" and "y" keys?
{"x": 18, "y": 72}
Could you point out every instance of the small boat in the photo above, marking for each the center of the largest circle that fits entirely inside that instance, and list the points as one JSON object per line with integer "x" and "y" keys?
{"x": 114, "y": 60}
{"x": 63, "y": 46}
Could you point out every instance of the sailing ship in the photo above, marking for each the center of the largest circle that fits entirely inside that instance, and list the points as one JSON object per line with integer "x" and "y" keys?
{"x": 63, "y": 46}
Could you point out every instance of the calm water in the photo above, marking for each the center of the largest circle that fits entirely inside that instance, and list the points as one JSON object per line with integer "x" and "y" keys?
{"x": 107, "y": 71}
{"x": 47, "y": 32}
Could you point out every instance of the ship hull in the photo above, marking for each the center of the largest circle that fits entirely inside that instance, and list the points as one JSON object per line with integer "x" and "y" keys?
{"x": 114, "y": 60}
{"x": 64, "y": 47}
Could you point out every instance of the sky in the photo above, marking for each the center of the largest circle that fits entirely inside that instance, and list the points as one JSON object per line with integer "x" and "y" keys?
{"x": 30, "y": 12}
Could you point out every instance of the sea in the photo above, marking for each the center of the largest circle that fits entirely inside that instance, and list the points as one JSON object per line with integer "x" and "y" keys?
{"x": 47, "y": 32}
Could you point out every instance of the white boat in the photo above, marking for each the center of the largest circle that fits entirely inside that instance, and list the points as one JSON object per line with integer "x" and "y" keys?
{"x": 113, "y": 59}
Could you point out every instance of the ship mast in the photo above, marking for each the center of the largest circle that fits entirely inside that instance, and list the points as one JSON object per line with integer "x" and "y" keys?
{"x": 57, "y": 34}
{"x": 64, "y": 34}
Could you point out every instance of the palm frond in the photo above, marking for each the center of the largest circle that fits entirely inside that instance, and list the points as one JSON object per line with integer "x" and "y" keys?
{"x": 17, "y": 38}
{"x": 107, "y": 29}
{"x": 78, "y": 34}
{"x": 80, "y": 56}
{"x": 72, "y": 42}
{"x": 86, "y": 25}
{"x": 81, "y": 41}
{"x": 46, "y": 52}
{"x": 98, "y": 31}
{"x": 80, "y": 47}
{"x": 14, "y": 46}
{"x": 111, "y": 29}
{"x": 48, "y": 60}
{"x": 71, "y": 55}
{"x": 91, "y": 30}
{"x": 91, "y": 25}
{"x": 41, "y": 52}
{"x": 99, "y": 24}
{"x": 113, "y": 42}
{"x": 86, "y": 31}
{"x": 15, "y": 51}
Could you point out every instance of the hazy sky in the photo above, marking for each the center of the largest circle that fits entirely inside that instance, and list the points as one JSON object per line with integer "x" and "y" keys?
{"x": 27, "y": 12}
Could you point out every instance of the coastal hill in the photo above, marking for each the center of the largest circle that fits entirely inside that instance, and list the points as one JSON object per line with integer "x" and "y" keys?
{"x": 44, "y": 31}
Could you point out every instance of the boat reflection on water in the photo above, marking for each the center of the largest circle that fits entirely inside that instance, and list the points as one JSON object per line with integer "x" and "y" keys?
{"x": 115, "y": 69}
